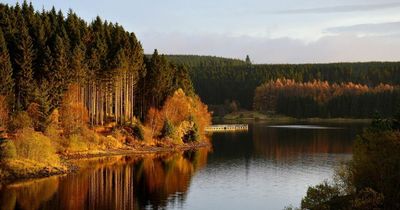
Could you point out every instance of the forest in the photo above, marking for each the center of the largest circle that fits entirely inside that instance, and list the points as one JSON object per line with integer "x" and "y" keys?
{"x": 71, "y": 86}
{"x": 220, "y": 80}
{"x": 324, "y": 99}
{"x": 42, "y": 53}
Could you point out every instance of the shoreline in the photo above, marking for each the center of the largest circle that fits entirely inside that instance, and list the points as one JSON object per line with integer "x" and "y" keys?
{"x": 69, "y": 167}
{"x": 253, "y": 116}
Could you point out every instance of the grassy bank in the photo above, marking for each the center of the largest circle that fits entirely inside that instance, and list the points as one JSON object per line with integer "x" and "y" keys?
{"x": 30, "y": 147}
{"x": 14, "y": 168}
{"x": 253, "y": 116}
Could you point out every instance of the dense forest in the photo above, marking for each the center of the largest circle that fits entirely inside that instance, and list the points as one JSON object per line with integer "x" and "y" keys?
{"x": 218, "y": 80}
{"x": 43, "y": 53}
{"x": 324, "y": 99}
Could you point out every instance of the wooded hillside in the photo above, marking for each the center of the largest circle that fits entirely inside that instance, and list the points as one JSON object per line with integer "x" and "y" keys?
{"x": 218, "y": 80}
{"x": 43, "y": 53}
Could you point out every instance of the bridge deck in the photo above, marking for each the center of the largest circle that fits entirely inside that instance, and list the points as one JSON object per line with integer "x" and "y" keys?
{"x": 227, "y": 127}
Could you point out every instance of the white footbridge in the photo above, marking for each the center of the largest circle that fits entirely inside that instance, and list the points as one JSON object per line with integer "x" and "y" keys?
{"x": 227, "y": 128}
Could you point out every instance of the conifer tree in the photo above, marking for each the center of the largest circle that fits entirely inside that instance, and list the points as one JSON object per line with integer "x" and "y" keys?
{"x": 59, "y": 73}
{"x": 24, "y": 57}
{"x": 6, "y": 71}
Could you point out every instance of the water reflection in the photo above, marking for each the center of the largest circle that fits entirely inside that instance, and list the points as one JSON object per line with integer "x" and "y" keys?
{"x": 153, "y": 181}
{"x": 267, "y": 167}
{"x": 285, "y": 142}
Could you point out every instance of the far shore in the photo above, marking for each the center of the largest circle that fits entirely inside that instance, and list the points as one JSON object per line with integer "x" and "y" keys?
{"x": 254, "y": 117}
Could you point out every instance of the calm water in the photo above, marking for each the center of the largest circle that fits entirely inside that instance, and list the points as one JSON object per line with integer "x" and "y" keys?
{"x": 268, "y": 167}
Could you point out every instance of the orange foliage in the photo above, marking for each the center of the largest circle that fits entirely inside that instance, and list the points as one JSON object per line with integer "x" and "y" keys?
{"x": 179, "y": 108}
{"x": 73, "y": 114}
{"x": 34, "y": 113}
{"x": 154, "y": 121}
{"x": 266, "y": 95}
{"x": 3, "y": 112}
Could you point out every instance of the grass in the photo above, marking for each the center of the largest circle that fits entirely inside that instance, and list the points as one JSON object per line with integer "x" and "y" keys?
{"x": 32, "y": 154}
{"x": 255, "y": 116}
{"x": 27, "y": 168}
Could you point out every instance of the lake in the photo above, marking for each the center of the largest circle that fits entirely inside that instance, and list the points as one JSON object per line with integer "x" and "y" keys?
{"x": 268, "y": 167}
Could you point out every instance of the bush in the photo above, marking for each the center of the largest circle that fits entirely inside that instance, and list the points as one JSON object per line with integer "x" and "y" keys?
{"x": 35, "y": 146}
{"x": 376, "y": 164}
{"x": 318, "y": 196}
{"x": 134, "y": 129}
{"x": 138, "y": 132}
{"x": 7, "y": 150}
{"x": 168, "y": 129}
{"x": 192, "y": 135}
{"x": 20, "y": 121}
{"x": 76, "y": 143}
{"x": 368, "y": 199}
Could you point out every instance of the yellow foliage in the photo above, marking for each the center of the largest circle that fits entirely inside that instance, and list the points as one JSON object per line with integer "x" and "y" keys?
{"x": 73, "y": 114}
{"x": 179, "y": 108}
{"x": 35, "y": 146}
{"x": 154, "y": 121}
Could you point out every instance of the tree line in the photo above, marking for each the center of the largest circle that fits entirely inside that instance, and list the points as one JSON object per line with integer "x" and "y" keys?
{"x": 44, "y": 53}
{"x": 218, "y": 80}
{"x": 324, "y": 99}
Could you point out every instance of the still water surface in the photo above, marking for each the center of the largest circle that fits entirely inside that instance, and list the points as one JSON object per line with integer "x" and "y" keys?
{"x": 268, "y": 167}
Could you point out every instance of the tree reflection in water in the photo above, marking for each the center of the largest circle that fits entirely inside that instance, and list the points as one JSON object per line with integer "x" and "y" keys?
{"x": 285, "y": 143}
{"x": 151, "y": 181}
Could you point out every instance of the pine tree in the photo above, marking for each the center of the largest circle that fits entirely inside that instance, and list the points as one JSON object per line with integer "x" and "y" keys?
{"x": 6, "y": 71}
{"x": 24, "y": 57}
{"x": 78, "y": 65}
{"x": 59, "y": 78}
{"x": 182, "y": 80}
{"x": 248, "y": 61}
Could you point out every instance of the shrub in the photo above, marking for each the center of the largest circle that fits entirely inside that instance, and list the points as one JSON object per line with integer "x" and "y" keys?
{"x": 192, "y": 134}
{"x": 325, "y": 196}
{"x": 168, "y": 129}
{"x": 20, "y": 121}
{"x": 7, "y": 150}
{"x": 176, "y": 109}
{"x": 376, "y": 164}
{"x": 137, "y": 131}
{"x": 35, "y": 146}
{"x": 76, "y": 143}
{"x": 368, "y": 199}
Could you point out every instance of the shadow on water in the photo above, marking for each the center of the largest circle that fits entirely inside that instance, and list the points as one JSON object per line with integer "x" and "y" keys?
{"x": 153, "y": 181}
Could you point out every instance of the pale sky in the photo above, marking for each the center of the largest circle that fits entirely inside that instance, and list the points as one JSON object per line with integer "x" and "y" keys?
{"x": 270, "y": 31}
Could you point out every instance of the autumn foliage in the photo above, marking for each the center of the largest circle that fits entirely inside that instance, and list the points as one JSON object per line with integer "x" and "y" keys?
{"x": 73, "y": 115}
{"x": 182, "y": 111}
{"x": 273, "y": 96}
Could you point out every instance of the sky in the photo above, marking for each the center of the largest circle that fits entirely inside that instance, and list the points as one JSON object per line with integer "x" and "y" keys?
{"x": 269, "y": 31}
